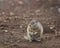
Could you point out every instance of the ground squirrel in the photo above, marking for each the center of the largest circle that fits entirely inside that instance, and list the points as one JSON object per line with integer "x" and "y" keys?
{"x": 34, "y": 31}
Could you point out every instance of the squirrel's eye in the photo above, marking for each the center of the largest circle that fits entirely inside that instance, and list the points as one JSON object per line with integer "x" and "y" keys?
{"x": 29, "y": 25}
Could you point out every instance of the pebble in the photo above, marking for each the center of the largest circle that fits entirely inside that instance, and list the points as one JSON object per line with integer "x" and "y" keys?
{"x": 18, "y": 41}
{"x": 11, "y": 13}
{"x": 16, "y": 17}
{"x": 13, "y": 32}
{"x": 21, "y": 26}
{"x": 5, "y": 21}
{"x": 12, "y": 4}
{"x": 20, "y": 2}
{"x": 6, "y": 30}
{"x": 3, "y": 13}
{"x": 11, "y": 41}
{"x": 51, "y": 8}
{"x": 32, "y": 13}
{"x": 58, "y": 9}
{"x": 37, "y": 11}
{"x": 51, "y": 27}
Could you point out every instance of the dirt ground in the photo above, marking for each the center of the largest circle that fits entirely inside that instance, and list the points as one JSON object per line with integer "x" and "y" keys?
{"x": 15, "y": 16}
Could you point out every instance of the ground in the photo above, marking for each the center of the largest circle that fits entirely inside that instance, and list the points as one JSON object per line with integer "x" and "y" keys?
{"x": 15, "y": 15}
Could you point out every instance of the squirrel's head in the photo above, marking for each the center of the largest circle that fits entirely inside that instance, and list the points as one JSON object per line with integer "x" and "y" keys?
{"x": 33, "y": 23}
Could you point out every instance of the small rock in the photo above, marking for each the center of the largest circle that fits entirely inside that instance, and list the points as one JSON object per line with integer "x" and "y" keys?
{"x": 58, "y": 9}
{"x": 20, "y": 2}
{"x": 12, "y": 4}
{"x": 11, "y": 13}
{"x": 11, "y": 41}
{"x": 51, "y": 8}
{"x": 13, "y": 32}
{"x": 37, "y": 11}
{"x": 18, "y": 41}
{"x": 5, "y": 21}
{"x": 51, "y": 27}
{"x": 6, "y": 30}
{"x": 32, "y": 13}
{"x": 3, "y": 13}
{"x": 30, "y": 18}
{"x": 16, "y": 17}
{"x": 21, "y": 26}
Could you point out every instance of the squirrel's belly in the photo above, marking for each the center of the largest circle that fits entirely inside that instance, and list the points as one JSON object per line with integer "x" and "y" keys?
{"x": 34, "y": 30}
